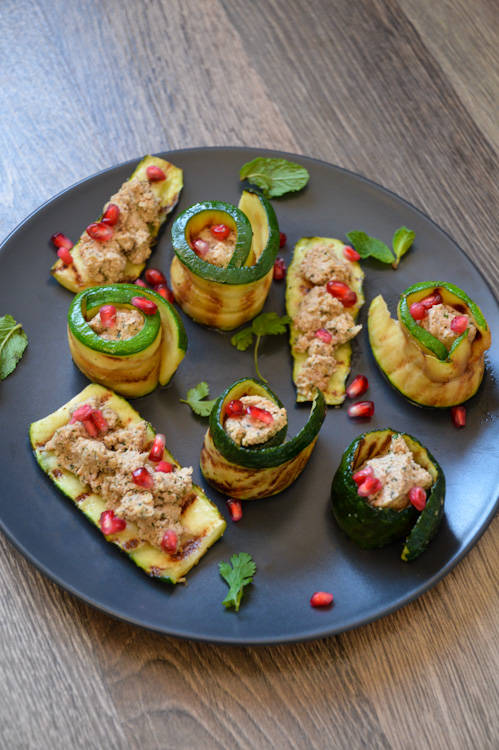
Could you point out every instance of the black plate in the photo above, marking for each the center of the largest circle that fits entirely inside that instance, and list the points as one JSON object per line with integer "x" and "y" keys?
{"x": 292, "y": 537}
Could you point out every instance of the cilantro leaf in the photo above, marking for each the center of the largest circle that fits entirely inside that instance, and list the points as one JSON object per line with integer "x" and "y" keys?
{"x": 274, "y": 176}
{"x": 195, "y": 398}
{"x": 369, "y": 246}
{"x": 13, "y": 342}
{"x": 266, "y": 324}
{"x": 240, "y": 575}
{"x": 402, "y": 241}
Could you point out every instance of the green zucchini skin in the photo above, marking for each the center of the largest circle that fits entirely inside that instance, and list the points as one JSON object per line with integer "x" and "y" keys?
{"x": 371, "y": 527}
{"x": 251, "y": 473}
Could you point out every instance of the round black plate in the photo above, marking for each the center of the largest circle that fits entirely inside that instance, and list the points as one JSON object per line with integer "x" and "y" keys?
{"x": 292, "y": 537}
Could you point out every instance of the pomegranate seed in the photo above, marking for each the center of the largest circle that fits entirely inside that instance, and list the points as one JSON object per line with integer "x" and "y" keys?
{"x": 165, "y": 292}
{"x": 342, "y": 291}
{"x": 350, "y": 254}
{"x": 350, "y": 300}
{"x": 360, "y": 476}
{"x": 170, "y": 541}
{"x": 108, "y": 316}
{"x": 200, "y": 247}
{"x": 262, "y": 414}
{"x": 99, "y": 420}
{"x": 279, "y": 269}
{"x": 139, "y": 282}
{"x": 60, "y": 240}
{"x": 321, "y": 599}
{"x": 90, "y": 426}
{"x": 220, "y": 231}
{"x": 418, "y": 311}
{"x": 234, "y": 408}
{"x": 82, "y": 412}
{"x": 358, "y": 386}
{"x": 282, "y": 239}
{"x": 146, "y": 305}
{"x": 154, "y": 277}
{"x": 235, "y": 509}
{"x": 158, "y": 447}
{"x": 165, "y": 466}
{"x": 111, "y": 215}
{"x": 100, "y": 231}
{"x": 64, "y": 254}
{"x": 142, "y": 478}
{"x": 155, "y": 174}
{"x": 111, "y": 524}
{"x": 417, "y": 497}
{"x": 324, "y": 335}
{"x": 432, "y": 299}
{"x": 369, "y": 487}
{"x": 458, "y": 416}
{"x": 361, "y": 409}
{"x": 459, "y": 324}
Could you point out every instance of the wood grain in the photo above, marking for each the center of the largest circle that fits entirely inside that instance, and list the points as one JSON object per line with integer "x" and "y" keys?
{"x": 393, "y": 90}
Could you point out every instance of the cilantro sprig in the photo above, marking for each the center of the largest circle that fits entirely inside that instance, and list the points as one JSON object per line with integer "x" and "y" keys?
{"x": 266, "y": 324}
{"x": 238, "y": 576}
{"x": 368, "y": 246}
{"x": 195, "y": 399}
{"x": 13, "y": 342}
{"x": 274, "y": 176}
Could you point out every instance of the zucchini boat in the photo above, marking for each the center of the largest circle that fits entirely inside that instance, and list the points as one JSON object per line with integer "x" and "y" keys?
{"x": 200, "y": 519}
{"x": 297, "y": 289}
{"x": 370, "y": 526}
{"x": 218, "y": 296}
{"x": 131, "y": 366}
{"x": 249, "y": 473}
{"x": 77, "y": 276}
{"x": 416, "y": 363}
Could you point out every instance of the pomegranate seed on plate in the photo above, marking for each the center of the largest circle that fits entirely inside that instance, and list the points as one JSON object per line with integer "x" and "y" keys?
{"x": 323, "y": 335}
{"x": 60, "y": 240}
{"x": 111, "y": 215}
{"x": 369, "y": 487}
{"x": 99, "y": 420}
{"x": 100, "y": 231}
{"x": 220, "y": 231}
{"x": 111, "y": 524}
{"x": 459, "y": 324}
{"x": 350, "y": 254}
{"x": 361, "y": 409}
{"x": 235, "y": 509}
{"x": 165, "y": 292}
{"x": 142, "y": 478}
{"x": 154, "y": 276}
{"x": 279, "y": 269}
{"x": 234, "y": 408}
{"x": 155, "y": 174}
{"x": 90, "y": 426}
{"x": 432, "y": 299}
{"x": 458, "y": 416}
{"x": 165, "y": 466}
{"x": 158, "y": 446}
{"x": 200, "y": 246}
{"x": 360, "y": 476}
{"x": 417, "y": 497}
{"x": 358, "y": 386}
{"x": 282, "y": 239}
{"x": 418, "y": 311}
{"x": 64, "y": 254}
{"x": 82, "y": 412}
{"x": 262, "y": 414}
{"x": 321, "y": 599}
{"x": 170, "y": 541}
{"x": 139, "y": 282}
{"x": 108, "y": 315}
{"x": 146, "y": 305}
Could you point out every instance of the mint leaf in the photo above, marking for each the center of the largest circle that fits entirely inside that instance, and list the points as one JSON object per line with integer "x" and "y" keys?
{"x": 13, "y": 342}
{"x": 265, "y": 324}
{"x": 402, "y": 241}
{"x": 369, "y": 246}
{"x": 240, "y": 575}
{"x": 274, "y": 176}
{"x": 195, "y": 398}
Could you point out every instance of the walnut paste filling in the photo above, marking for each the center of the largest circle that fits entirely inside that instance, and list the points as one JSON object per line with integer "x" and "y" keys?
{"x": 128, "y": 324}
{"x": 247, "y": 430}
{"x": 438, "y": 323}
{"x": 105, "y": 463}
{"x": 219, "y": 252}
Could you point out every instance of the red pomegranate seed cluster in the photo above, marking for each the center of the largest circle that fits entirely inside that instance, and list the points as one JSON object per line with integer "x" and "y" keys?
{"x": 155, "y": 174}
{"x": 419, "y": 310}
{"x": 111, "y": 524}
{"x": 235, "y": 509}
{"x": 321, "y": 599}
{"x": 59, "y": 240}
{"x": 92, "y": 419}
{"x": 360, "y": 476}
{"x": 158, "y": 447}
{"x": 458, "y": 416}
{"x": 370, "y": 486}
{"x": 111, "y": 215}
{"x": 358, "y": 386}
{"x": 279, "y": 269}
{"x": 220, "y": 231}
{"x": 350, "y": 254}
{"x": 100, "y": 231}
{"x": 361, "y": 409}
{"x": 146, "y": 305}
{"x": 417, "y": 497}
{"x": 341, "y": 291}
{"x": 282, "y": 239}
{"x": 156, "y": 280}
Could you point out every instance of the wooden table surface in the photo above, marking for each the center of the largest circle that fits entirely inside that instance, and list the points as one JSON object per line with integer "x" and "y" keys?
{"x": 404, "y": 92}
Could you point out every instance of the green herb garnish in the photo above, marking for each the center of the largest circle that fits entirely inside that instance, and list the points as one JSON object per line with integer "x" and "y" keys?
{"x": 240, "y": 575}
{"x": 266, "y": 324}
{"x": 195, "y": 400}
{"x": 371, "y": 247}
{"x": 274, "y": 176}
{"x": 13, "y": 342}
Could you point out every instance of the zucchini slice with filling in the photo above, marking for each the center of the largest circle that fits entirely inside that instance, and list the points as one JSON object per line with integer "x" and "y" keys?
{"x": 417, "y": 363}
{"x": 131, "y": 366}
{"x": 249, "y": 473}
{"x": 201, "y": 520}
{"x": 225, "y": 296}
{"x": 372, "y": 526}
{"x": 76, "y": 276}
